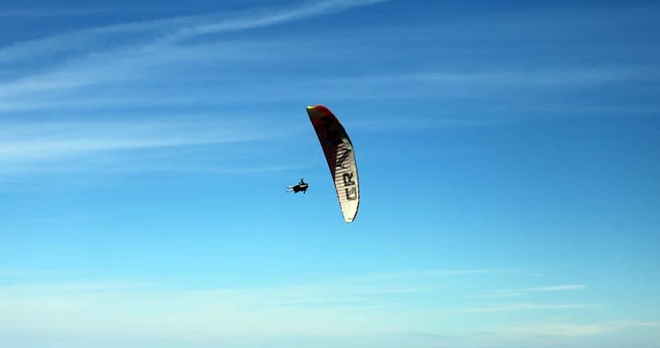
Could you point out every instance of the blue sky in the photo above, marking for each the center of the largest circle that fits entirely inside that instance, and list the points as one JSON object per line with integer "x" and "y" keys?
{"x": 508, "y": 157}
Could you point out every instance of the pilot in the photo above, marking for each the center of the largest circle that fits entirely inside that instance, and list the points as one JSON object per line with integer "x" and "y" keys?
{"x": 301, "y": 186}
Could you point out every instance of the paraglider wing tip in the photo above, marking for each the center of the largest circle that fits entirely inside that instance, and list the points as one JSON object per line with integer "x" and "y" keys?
{"x": 317, "y": 106}
{"x": 348, "y": 218}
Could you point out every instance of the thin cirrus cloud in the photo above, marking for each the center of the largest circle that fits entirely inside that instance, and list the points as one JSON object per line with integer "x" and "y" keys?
{"x": 567, "y": 329}
{"x": 20, "y": 95}
{"x": 154, "y": 50}
{"x": 169, "y": 30}
{"x": 99, "y": 60}
{"x": 47, "y": 146}
{"x": 366, "y": 305}
{"x": 272, "y": 18}
{"x": 542, "y": 289}
{"x": 51, "y": 12}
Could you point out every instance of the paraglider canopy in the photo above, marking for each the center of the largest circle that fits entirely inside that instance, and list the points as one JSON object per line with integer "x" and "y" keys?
{"x": 340, "y": 155}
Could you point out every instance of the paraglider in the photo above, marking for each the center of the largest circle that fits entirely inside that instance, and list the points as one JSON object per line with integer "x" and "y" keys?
{"x": 300, "y": 187}
{"x": 340, "y": 156}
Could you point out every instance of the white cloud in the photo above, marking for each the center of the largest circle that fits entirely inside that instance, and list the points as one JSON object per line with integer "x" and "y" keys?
{"x": 544, "y": 329}
{"x": 166, "y": 31}
{"x": 50, "y": 145}
{"x": 521, "y": 292}
{"x": 367, "y": 306}
{"x": 146, "y": 55}
{"x": 307, "y": 10}
{"x": 51, "y": 12}
{"x": 333, "y": 307}
{"x": 517, "y": 307}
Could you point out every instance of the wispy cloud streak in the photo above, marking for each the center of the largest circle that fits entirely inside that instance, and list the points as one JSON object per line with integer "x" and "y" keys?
{"x": 44, "y": 146}
{"x": 51, "y": 12}
{"x": 521, "y": 292}
{"x": 167, "y": 31}
{"x": 360, "y": 305}
{"x": 134, "y": 52}
{"x": 310, "y": 9}
{"x": 354, "y": 305}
